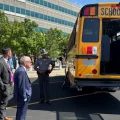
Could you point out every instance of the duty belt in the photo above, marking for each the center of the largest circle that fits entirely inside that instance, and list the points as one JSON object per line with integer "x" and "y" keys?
{"x": 43, "y": 72}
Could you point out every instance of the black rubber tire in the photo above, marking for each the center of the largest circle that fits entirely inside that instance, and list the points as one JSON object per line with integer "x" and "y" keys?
{"x": 114, "y": 89}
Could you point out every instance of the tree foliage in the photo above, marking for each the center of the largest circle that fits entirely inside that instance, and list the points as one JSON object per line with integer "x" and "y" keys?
{"x": 23, "y": 39}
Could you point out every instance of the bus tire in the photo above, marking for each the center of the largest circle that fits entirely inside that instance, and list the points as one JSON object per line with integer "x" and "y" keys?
{"x": 113, "y": 89}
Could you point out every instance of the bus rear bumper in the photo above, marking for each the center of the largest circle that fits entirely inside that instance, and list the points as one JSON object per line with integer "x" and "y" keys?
{"x": 97, "y": 82}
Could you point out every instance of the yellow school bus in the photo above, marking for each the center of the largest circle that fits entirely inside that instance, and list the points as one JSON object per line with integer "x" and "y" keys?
{"x": 93, "y": 52}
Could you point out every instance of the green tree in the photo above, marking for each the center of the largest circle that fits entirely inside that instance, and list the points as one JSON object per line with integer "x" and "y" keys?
{"x": 17, "y": 35}
{"x": 28, "y": 39}
{"x": 63, "y": 44}
{"x": 56, "y": 42}
{"x": 53, "y": 37}
{"x": 5, "y": 30}
{"x": 39, "y": 42}
{"x": 23, "y": 39}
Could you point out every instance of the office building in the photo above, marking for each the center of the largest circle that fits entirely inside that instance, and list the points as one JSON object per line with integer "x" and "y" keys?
{"x": 47, "y": 14}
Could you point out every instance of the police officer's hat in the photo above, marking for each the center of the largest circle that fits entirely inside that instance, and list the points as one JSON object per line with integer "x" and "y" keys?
{"x": 43, "y": 52}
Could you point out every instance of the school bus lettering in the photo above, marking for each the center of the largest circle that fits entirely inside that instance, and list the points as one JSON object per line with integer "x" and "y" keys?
{"x": 110, "y": 11}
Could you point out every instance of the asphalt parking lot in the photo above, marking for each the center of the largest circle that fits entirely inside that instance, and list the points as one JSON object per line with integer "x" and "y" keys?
{"x": 89, "y": 104}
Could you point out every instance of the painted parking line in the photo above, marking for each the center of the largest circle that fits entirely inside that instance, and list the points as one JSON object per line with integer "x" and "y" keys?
{"x": 64, "y": 98}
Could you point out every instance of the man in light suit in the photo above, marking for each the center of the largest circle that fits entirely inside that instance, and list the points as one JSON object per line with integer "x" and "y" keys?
{"x": 22, "y": 88}
{"x": 5, "y": 82}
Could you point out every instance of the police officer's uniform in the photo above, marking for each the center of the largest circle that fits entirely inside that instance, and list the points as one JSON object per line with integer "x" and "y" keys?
{"x": 43, "y": 77}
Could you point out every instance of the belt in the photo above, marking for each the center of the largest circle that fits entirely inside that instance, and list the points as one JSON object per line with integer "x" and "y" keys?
{"x": 43, "y": 72}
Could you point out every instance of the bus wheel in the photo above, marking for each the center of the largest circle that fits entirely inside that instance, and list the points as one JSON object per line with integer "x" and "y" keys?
{"x": 66, "y": 83}
{"x": 113, "y": 89}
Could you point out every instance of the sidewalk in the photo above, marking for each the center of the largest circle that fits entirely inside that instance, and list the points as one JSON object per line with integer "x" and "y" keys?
{"x": 55, "y": 72}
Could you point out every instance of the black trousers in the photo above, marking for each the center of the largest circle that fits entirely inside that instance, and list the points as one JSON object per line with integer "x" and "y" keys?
{"x": 4, "y": 97}
{"x": 44, "y": 87}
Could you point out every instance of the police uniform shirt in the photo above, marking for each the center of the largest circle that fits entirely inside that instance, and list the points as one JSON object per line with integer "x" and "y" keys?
{"x": 43, "y": 64}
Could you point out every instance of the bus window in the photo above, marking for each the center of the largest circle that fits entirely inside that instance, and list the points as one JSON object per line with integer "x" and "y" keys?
{"x": 91, "y": 30}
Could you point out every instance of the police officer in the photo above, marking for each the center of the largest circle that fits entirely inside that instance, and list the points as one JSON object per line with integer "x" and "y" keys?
{"x": 43, "y": 71}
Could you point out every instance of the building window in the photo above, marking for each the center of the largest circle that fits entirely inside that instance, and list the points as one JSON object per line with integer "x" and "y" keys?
{"x": 37, "y": 1}
{"x": 32, "y": 14}
{"x": 22, "y": 11}
{"x": 32, "y": 0}
{"x": 75, "y": 14}
{"x": 36, "y": 15}
{"x": 1, "y": 6}
{"x": 56, "y": 7}
{"x": 59, "y": 21}
{"x": 68, "y": 11}
{"x": 6, "y": 7}
{"x": 49, "y": 5}
{"x": 56, "y": 20}
{"x": 41, "y": 2}
{"x": 12, "y": 9}
{"x": 45, "y": 17}
{"x": 49, "y": 18}
{"x": 28, "y": 12}
{"x": 45, "y": 3}
{"x": 53, "y": 6}
{"x": 41, "y": 16}
{"x": 63, "y": 22}
{"x": 69, "y": 24}
{"x": 71, "y": 12}
{"x": 17, "y": 10}
{"x": 63, "y": 10}
{"x": 72, "y": 24}
{"x": 52, "y": 19}
{"x": 60, "y": 9}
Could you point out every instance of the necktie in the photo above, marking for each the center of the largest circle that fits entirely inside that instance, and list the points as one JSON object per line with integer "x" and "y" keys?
{"x": 11, "y": 73}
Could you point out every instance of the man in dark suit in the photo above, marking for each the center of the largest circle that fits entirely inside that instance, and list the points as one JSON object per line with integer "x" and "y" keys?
{"x": 14, "y": 61}
{"x": 22, "y": 88}
{"x": 5, "y": 82}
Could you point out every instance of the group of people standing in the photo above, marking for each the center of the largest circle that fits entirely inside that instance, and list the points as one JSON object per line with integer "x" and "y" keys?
{"x": 22, "y": 83}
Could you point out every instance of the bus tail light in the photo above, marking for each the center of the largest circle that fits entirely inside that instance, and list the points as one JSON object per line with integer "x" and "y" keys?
{"x": 118, "y": 6}
{"x": 94, "y": 71}
{"x": 92, "y": 10}
{"x": 84, "y": 50}
{"x": 113, "y": 6}
{"x": 89, "y": 11}
{"x": 80, "y": 74}
{"x": 89, "y": 50}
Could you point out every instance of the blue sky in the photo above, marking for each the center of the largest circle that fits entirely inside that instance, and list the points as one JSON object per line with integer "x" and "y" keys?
{"x": 83, "y": 2}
